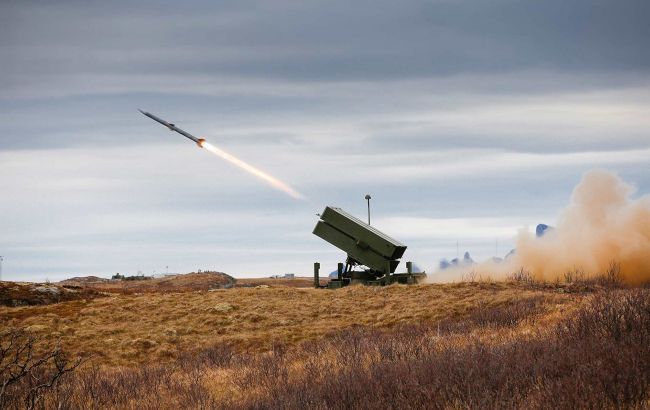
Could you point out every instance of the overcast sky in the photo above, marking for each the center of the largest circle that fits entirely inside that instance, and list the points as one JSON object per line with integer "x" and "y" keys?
{"x": 465, "y": 121}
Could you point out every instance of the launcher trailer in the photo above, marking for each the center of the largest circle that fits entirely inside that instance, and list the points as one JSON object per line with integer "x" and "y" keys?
{"x": 372, "y": 256}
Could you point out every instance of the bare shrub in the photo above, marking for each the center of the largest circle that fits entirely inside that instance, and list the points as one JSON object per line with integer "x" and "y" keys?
{"x": 596, "y": 358}
{"x": 469, "y": 276}
{"x": 574, "y": 275}
{"x": 218, "y": 355}
{"x": 28, "y": 369}
{"x": 611, "y": 278}
{"x": 521, "y": 275}
{"x": 616, "y": 315}
{"x": 264, "y": 372}
{"x": 509, "y": 314}
{"x": 485, "y": 315}
{"x": 610, "y": 342}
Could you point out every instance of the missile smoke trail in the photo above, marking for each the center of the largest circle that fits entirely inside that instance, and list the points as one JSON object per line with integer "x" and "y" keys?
{"x": 274, "y": 182}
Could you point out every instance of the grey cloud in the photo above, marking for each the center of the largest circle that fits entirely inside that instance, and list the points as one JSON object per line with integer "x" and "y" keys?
{"x": 542, "y": 142}
{"x": 339, "y": 99}
{"x": 330, "y": 41}
{"x": 374, "y": 118}
{"x": 114, "y": 120}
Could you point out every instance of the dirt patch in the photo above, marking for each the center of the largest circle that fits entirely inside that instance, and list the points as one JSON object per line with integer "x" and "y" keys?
{"x": 298, "y": 282}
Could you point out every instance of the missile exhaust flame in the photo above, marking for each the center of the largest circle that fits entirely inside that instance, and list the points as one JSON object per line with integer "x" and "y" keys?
{"x": 274, "y": 182}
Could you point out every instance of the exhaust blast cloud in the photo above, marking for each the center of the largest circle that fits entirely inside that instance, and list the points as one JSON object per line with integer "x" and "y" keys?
{"x": 601, "y": 225}
{"x": 271, "y": 180}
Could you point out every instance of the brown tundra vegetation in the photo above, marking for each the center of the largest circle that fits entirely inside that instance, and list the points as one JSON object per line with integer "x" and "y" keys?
{"x": 476, "y": 344}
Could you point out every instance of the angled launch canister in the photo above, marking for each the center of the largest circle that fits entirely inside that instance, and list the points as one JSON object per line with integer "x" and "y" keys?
{"x": 173, "y": 127}
{"x": 364, "y": 244}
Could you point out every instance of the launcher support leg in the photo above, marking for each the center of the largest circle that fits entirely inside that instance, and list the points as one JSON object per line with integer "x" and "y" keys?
{"x": 316, "y": 277}
{"x": 387, "y": 275}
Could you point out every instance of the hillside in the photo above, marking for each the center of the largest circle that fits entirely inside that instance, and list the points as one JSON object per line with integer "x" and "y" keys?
{"x": 189, "y": 282}
{"x": 15, "y": 294}
{"x": 472, "y": 345}
{"x": 127, "y": 328}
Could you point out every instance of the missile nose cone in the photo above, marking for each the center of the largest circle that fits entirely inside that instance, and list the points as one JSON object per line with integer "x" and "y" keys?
{"x": 142, "y": 111}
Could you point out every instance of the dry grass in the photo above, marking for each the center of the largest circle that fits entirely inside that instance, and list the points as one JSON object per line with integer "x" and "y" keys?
{"x": 597, "y": 357}
{"x": 539, "y": 350}
{"x": 125, "y": 329}
{"x": 298, "y": 282}
{"x": 477, "y": 344}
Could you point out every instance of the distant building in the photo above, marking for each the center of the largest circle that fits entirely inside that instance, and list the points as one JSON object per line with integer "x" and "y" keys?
{"x": 289, "y": 276}
{"x": 164, "y": 275}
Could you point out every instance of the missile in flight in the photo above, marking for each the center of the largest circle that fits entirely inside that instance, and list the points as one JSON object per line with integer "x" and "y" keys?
{"x": 271, "y": 180}
{"x": 173, "y": 127}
